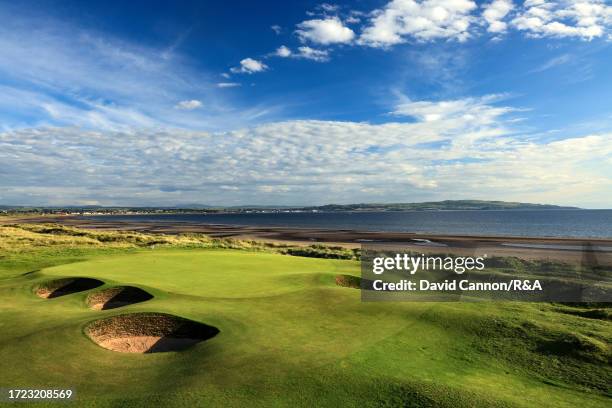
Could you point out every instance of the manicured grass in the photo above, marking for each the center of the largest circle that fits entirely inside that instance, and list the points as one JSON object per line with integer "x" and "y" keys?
{"x": 289, "y": 336}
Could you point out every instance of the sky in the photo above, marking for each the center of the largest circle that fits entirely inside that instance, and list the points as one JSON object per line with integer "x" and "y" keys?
{"x": 305, "y": 103}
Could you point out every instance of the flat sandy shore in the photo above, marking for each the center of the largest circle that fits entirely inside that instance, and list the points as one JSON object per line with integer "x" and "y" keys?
{"x": 581, "y": 251}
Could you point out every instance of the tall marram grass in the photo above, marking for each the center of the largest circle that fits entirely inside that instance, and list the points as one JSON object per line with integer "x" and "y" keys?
{"x": 29, "y": 237}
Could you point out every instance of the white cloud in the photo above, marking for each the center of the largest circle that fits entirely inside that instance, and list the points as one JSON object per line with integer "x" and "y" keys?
{"x": 468, "y": 110}
{"x": 189, "y": 105}
{"x": 467, "y": 149}
{"x": 494, "y": 14}
{"x": 249, "y": 66}
{"x": 354, "y": 17}
{"x": 425, "y": 20}
{"x": 276, "y": 28}
{"x": 313, "y": 54}
{"x": 554, "y": 62}
{"x": 585, "y": 19}
{"x": 442, "y": 66}
{"x": 400, "y": 21}
{"x": 283, "y": 52}
{"x": 303, "y": 52}
{"x": 228, "y": 84}
{"x": 64, "y": 75}
{"x": 325, "y": 31}
{"x": 330, "y": 8}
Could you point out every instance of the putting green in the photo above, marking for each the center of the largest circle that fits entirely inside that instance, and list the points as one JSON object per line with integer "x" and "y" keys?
{"x": 290, "y": 336}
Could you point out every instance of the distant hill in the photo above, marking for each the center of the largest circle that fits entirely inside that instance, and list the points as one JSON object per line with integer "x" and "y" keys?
{"x": 200, "y": 208}
{"x": 440, "y": 205}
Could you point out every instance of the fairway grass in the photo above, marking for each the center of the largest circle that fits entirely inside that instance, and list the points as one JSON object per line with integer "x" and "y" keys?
{"x": 289, "y": 335}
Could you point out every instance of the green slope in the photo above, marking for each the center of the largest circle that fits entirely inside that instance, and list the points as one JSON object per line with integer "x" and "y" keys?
{"x": 290, "y": 336}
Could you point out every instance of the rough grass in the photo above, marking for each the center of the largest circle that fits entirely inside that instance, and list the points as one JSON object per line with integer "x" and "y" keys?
{"x": 348, "y": 281}
{"x": 560, "y": 351}
{"x": 596, "y": 313}
{"x": 27, "y": 237}
{"x": 324, "y": 251}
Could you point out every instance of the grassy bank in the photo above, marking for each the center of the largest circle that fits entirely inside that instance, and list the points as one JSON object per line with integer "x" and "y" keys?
{"x": 288, "y": 334}
{"x": 26, "y": 247}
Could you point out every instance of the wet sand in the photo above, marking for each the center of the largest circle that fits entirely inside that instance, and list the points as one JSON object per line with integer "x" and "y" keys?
{"x": 573, "y": 250}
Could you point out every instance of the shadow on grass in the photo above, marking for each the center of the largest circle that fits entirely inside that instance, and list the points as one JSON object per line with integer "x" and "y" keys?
{"x": 67, "y": 286}
{"x": 117, "y": 296}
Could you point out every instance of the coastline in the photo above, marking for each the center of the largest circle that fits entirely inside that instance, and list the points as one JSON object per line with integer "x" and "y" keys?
{"x": 553, "y": 248}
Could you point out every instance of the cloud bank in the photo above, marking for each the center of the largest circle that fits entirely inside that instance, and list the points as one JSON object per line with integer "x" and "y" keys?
{"x": 459, "y": 148}
{"x": 400, "y": 21}
{"x": 424, "y": 21}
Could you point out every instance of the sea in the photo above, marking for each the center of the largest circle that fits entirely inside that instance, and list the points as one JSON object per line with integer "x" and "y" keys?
{"x": 521, "y": 223}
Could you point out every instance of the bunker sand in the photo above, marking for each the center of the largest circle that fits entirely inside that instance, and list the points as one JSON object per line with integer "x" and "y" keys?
{"x": 117, "y": 296}
{"x": 148, "y": 333}
{"x": 66, "y": 286}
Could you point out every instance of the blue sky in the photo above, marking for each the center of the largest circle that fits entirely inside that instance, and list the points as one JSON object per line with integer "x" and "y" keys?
{"x": 296, "y": 103}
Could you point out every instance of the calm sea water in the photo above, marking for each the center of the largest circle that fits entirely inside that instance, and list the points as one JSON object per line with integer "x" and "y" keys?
{"x": 535, "y": 223}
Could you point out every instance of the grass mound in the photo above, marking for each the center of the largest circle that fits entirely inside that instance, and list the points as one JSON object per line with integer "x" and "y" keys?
{"x": 551, "y": 350}
{"x": 148, "y": 333}
{"x": 65, "y": 286}
{"x": 117, "y": 296}
{"x": 391, "y": 393}
{"x": 573, "y": 345}
{"x": 324, "y": 251}
{"x": 348, "y": 281}
{"x": 601, "y": 314}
